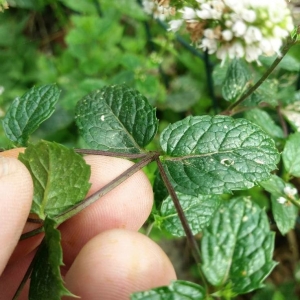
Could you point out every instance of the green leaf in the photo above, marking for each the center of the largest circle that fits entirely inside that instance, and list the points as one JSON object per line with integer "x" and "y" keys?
{"x": 284, "y": 212}
{"x": 236, "y": 80}
{"x": 177, "y": 290}
{"x": 237, "y": 247}
{"x": 60, "y": 177}
{"x": 25, "y": 114}
{"x": 291, "y": 155}
{"x": 116, "y": 118}
{"x": 215, "y": 155}
{"x": 263, "y": 119}
{"x": 46, "y": 281}
{"x": 198, "y": 211}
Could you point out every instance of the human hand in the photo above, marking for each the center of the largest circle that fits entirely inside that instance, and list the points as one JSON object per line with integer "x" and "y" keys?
{"x": 104, "y": 255}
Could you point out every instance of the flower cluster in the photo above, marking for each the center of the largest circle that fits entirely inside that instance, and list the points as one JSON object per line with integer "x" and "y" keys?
{"x": 159, "y": 9}
{"x": 237, "y": 28}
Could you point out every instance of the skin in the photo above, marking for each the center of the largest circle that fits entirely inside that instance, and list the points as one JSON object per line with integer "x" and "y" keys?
{"x": 105, "y": 257}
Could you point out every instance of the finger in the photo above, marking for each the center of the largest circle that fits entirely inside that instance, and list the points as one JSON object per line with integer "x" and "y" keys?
{"x": 117, "y": 263}
{"x": 16, "y": 190}
{"x": 26, "y": 246}
{"x": 126, "y": 206}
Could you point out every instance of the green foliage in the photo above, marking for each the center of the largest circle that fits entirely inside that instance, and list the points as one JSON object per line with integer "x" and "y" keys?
{"x": 116, "y": 118}
{"x": 46, "y": 281}
{"x": 236, "y": 80}
{"x": 215, "y": 155}
{"x": 60, "y": 177}
{"x": 237, "y": 246}
{"x": 198, "y": 211}
{"x": 27, "y": 112}
{"x": 121, "y": 63}
{"x": 291, "y": 155}
{"x": 179, "y": 289}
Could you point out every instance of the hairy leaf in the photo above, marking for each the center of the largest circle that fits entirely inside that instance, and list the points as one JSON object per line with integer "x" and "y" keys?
{"x": 116, "y": 118}
{"x": 214, "y": 155}
{"x": 264, "y": 120}
{"x": 236, "y": 80}
{"x": 291, "y": 155}
{"x": 237, "y": 246}
{"x": 284, "y": 212}
{"x": 177, "y": 290}
{"x": 198, "y": 211}
{"x": 60, "y": 177}
{"x": 26, "y": 113}
{"x": 46, "y": 281}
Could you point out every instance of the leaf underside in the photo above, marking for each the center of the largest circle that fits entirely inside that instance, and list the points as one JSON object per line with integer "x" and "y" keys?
{"x": 214, "y": 155}
{"x": 60, "y": 177}
{"x": 116, "y": 118}
{"x": 26, "y": 113}
{"x": 237, "y": 247}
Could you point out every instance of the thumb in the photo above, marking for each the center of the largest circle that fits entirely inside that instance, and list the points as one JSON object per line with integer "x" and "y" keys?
{"x": 16, "y": 191}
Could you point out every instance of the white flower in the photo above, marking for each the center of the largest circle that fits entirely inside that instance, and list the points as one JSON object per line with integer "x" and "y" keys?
{"x": 175, "y": 25}
{"x": 290, "y": 191}
{"x": 188, "y": 13}
{"x": 238, "y": 28}
{"x": 227, "y": 35}
{"x": 281, "y": 200}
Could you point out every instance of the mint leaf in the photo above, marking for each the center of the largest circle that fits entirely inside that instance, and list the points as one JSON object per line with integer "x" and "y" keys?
{"x": 60, "y": 177}
{"x": 236, "y": 80}
{"x": 214, "y": 155}
{"x": 264, "y": 120}
{"x": 198, "y": 211}
{"x": 284, "y": 212}
{"x": 26, "y": 113}
{"x": 116, "y": 118}
{"x": 179, "y": 289}
{"x": 291, "y": 155}
{"x": 237, "y": 246}
{"x": 46, "y": 281}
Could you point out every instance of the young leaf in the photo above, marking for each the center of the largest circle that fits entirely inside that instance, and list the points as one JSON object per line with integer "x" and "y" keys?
{"x": 25, "y": 114}
{"x": 60, "y": 177}
{"x": 215, "y": 155}
{"x": 116, "y": 118}
{"x": 236, "y": 80}
{"x": 179, "y": 289}
{"x": 46, "y": 281}
{"x": 284, "y": 212}
{"x": 264, "y": 120}
{"x": 291, "y": 155}
{"x": 237, "y": 246}
{"x": 198, "y": 211}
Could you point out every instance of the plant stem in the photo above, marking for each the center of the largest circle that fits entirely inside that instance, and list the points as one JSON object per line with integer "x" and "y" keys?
{"x": 107, "y": 188}
{"x": 107, "y": 153}
{"x": 188, "y": 232}
{"x": 31, "y": 233}
{"x": 295, "y": 202}
{"x": 252, "y": 89}
{"x": 114, "y": 154}
{"x": 27, "y": 274}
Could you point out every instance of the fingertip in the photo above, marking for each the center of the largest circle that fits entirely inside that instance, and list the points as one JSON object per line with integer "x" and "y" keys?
{"x": 117, "y": 263}
{"x": 16, "y": 190}
{"x": 127, "y": 206}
